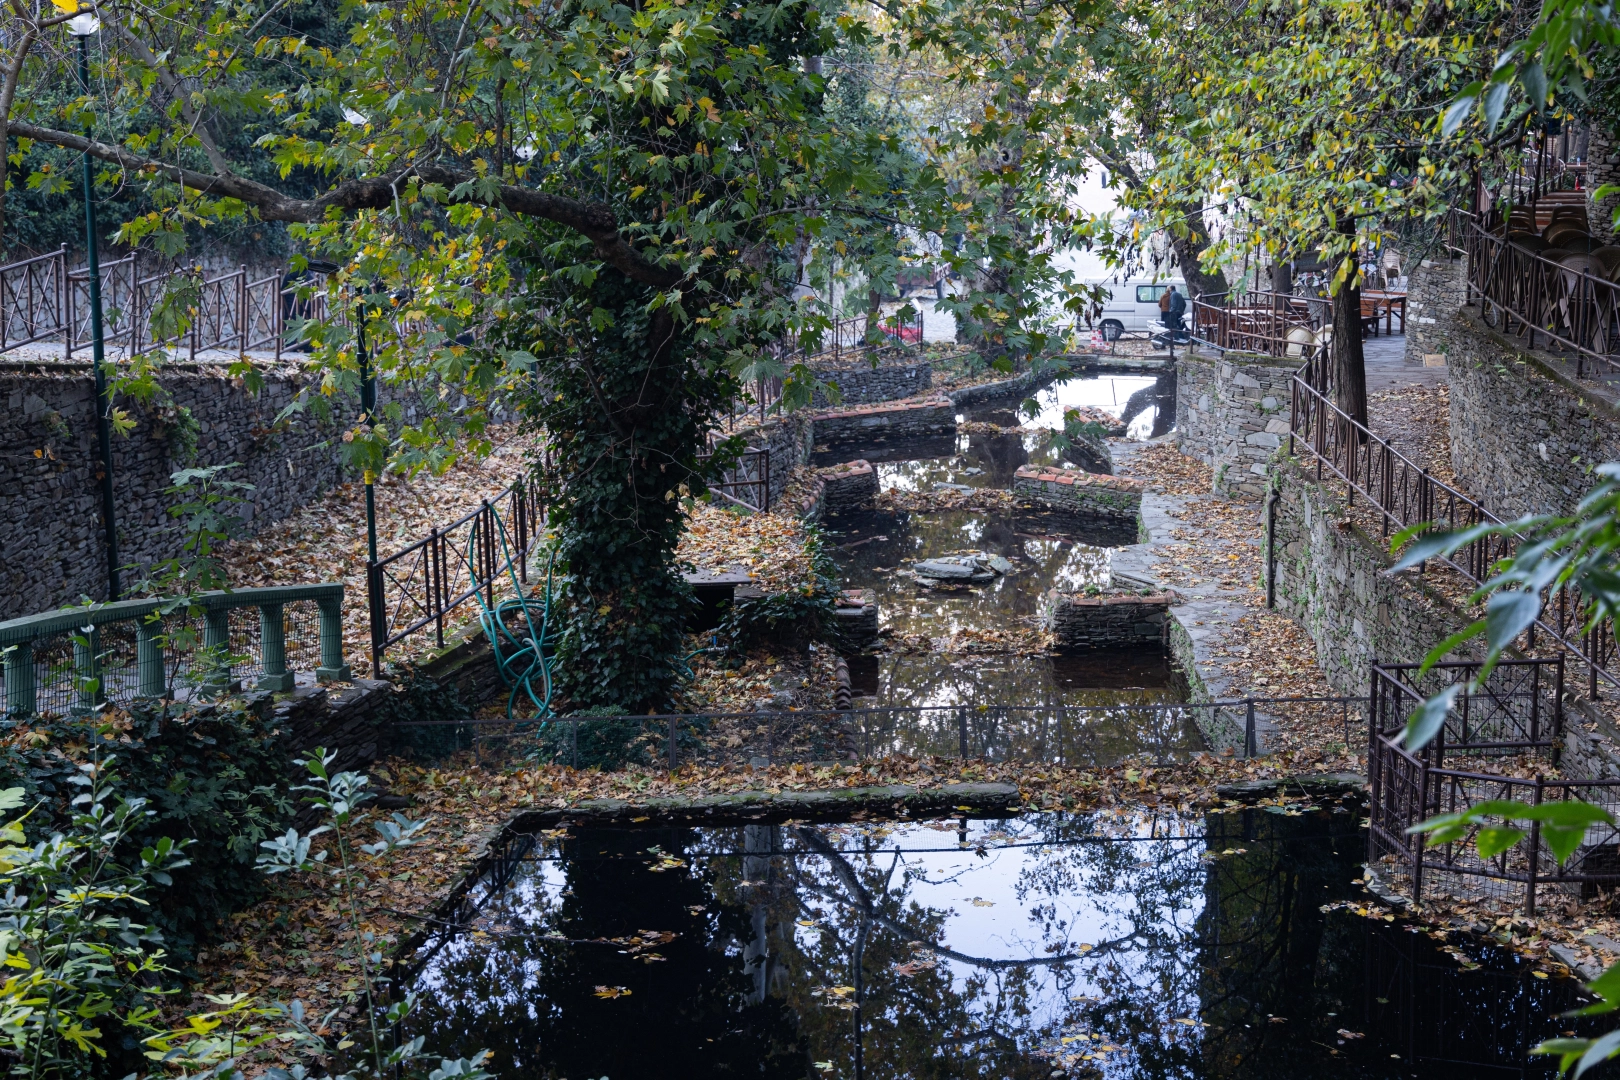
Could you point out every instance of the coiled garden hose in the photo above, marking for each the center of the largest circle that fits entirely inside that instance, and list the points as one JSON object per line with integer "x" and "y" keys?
{"x": 519, "y": 660}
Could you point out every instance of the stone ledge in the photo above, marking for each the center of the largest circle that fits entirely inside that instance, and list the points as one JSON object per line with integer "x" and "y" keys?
{"x": 880, "y": 408}
{"x": 1076, "y": 489}
{"x": 1108, "y": 620}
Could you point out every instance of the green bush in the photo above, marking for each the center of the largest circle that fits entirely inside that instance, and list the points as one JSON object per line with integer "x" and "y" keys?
{"x": 218, "y": 782}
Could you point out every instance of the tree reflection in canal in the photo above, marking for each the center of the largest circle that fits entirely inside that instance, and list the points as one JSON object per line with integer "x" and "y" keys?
{"x": 1087, "y": 944}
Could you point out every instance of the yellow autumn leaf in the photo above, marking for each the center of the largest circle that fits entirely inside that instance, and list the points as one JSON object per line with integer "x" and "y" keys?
{"x": 66, "y": 7}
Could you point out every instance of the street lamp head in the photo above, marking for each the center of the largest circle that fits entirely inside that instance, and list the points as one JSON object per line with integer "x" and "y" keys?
{"x": 84, "y": 24}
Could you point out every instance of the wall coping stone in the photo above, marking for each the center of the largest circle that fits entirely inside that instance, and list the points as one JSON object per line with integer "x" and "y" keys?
{"x": 1077, "y": 477}
{"x": 907, "y": 405}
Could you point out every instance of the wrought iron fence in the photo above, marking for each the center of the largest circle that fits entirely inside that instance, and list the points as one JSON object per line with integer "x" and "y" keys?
{"x": 437, "y": 581}
{"x": 43, "y": 299}
{"x": 1514, "y": 722}
{"x": 1403, "y": 494}
{"x": 747, "y": 483}
{"x": 74, "y": 660}
{"x": 1270, "y": 323}
{"x": 1564, "y": 304}
{"x": 1060, "y": 735}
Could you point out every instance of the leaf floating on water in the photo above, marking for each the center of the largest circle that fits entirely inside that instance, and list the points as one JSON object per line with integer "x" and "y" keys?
{"x": 981, "y": 902}
{"x": 610, "y": 992}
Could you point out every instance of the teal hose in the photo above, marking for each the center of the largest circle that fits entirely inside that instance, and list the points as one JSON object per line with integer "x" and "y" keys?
{"x": 520, "y": 661}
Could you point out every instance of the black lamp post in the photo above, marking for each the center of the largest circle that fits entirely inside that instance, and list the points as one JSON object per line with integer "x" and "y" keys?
{"x": 368, "y": 408}
{"x": 82, "y": 26}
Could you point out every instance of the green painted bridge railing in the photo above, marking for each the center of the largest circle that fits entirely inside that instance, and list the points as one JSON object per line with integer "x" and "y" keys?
{"x": 75, "y": 660}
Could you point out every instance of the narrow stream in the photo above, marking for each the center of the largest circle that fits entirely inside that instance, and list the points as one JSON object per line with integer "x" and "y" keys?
{"x": 1045, "y": 550}
{"x": 1046, "y": 945}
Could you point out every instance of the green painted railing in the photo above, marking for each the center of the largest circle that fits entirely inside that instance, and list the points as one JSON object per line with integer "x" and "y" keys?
{"x": 75, "y": 660}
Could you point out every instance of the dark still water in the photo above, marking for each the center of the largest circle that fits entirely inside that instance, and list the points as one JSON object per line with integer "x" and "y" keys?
{"x": 1034, "y": 947}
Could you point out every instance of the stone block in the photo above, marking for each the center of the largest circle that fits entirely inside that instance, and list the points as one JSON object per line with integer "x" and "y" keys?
{"x": 1114, "y": 618}
{"x": 1089, "y": 493}
{"x": 913, "y": 418}
{"x": 851, "y": 486}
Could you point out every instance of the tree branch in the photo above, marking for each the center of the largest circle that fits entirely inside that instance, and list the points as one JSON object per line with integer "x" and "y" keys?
{"x": 593, "y": 220}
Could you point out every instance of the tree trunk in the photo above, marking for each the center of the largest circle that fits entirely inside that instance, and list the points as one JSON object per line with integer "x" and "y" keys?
{"x": 1349, "y": 361}
{"x": 1188, "y": 250}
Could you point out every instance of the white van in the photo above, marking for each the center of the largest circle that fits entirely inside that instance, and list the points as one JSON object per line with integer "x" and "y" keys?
{"x": 1134, "y": 305}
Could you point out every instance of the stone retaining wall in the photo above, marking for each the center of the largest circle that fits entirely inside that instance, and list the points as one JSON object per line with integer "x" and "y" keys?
{"x": 1088, "y": 493}
{"x": 1107, "y": 620}
{"x": 864, "y": 384}
{"x": 788, "y": 439}
{"x": 1330, "y": 576}
{"x": 1433, "y": 295}
{"x": 51, "y": 547}
{"x": 1523, "y": 434}
{"x": 1232, "y": 413}
{"x": 851, "y": 486}
{"x": 894, "y": 420}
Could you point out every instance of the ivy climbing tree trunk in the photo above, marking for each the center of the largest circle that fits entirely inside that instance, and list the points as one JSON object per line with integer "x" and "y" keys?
{"x": 625, "y": 409}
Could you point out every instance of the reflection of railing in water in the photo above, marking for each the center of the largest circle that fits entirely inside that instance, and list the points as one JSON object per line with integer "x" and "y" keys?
{"x": 1054, "y": 734}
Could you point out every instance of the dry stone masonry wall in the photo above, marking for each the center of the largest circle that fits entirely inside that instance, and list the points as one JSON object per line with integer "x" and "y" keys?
{"x": 1523, "y": 435}
{"x": 1107, "y": 620}
{"x": 1331, "y": 577}
{"x": 1434, "y": 293}
{"x": 896, "y": 420}
{"x": 1088, "y": 493}
{"x": 1232, "y": 413}
{"x": 51, "y": 547}
{"x": 864, "y": 384}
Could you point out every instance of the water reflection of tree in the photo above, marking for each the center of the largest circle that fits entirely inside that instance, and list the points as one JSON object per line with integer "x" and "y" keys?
{"x": 997, "y": 1011}
{"x": 533, "y": 999}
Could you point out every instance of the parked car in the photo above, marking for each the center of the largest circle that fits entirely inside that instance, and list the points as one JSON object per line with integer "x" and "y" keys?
{"x": 1133, "y": 305}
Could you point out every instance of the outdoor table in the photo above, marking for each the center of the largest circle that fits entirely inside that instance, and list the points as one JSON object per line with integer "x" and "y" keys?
{"x": 1385, "y": 302}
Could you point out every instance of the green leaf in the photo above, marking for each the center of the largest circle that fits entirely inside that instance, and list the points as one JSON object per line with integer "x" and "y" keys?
{"x": 1508, "y": 614}
{"x": 1495, "y": 839}
{"x": 1426, "y": 720}
{"x": 1455, "y": 115}
{"x": 12, "y": 797}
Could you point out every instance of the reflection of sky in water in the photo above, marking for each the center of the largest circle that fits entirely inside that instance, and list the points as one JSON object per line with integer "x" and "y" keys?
{"x": 873, "y": 550}
{"x": 1110, "y": 393}
{"x": 1190, "y": 947}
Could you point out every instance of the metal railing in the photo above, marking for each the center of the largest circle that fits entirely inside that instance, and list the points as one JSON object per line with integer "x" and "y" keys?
{"x": 1518, "y": 716}
{"x": 1269, "y": 323}
{"x": 43, "y": 299}
{"x": 1060, "y": 735}
{"x": 747, "y": 483}
{"x": 1403, "y": 494}
{"x": 1565, "y": 305}
{"x": 436, "y": 582}
{"x": 75, "y": 660}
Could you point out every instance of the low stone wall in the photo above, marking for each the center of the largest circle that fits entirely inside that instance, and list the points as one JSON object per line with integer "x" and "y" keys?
{"x": 339, "y": 719}
{"x": 1232, "y": 413}
{"x": 857, "y": 615}
{"x": 851, "y": 486}
{"x": 894, "y": 420}
{"x": 1094, "y": 494}
{"x": 1524, "y": 435}
{"x": 1107, "y": 620}
{"x": 1433, "y": 294}
{"x": 51, "y": 546}
{"x": 864, "y": 384}
{"x": 1331, "y": 577}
